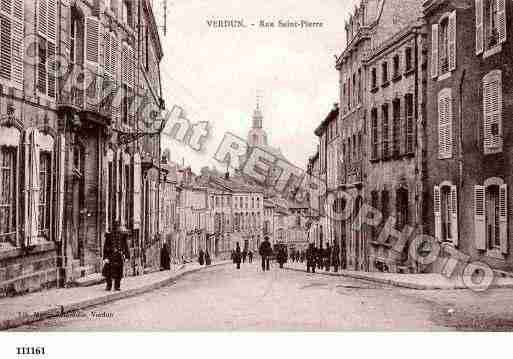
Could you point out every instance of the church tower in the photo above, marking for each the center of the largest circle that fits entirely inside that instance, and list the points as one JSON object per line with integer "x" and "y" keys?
{"x": 257, "y": 135}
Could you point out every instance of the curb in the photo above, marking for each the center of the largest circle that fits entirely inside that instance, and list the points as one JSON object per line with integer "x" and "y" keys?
{"x": 111, "y": 297}
{"x": 398, "y": 283}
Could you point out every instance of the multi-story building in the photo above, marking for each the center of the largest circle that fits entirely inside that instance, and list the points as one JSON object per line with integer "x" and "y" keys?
{"x": 468, "y": 136}
{"x": 371, "y": 69}
{"x": 71, "y": 167}
{"x": 327, "y": 132}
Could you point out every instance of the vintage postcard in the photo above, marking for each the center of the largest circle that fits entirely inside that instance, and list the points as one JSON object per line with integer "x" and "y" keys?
{"x": 328, "y": 166}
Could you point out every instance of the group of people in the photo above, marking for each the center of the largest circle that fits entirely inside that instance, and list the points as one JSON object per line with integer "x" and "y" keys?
{"x": 204, "y": 257}
{"x": 322, "y": 257}
{"x": 239, "y": 256}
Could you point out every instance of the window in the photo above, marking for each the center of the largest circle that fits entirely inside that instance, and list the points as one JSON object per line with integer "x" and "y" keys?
{"x": 385, "y": 205}
{"x": 374, "y": 133}
{"x": 11, "y": 39}
{"x": 374, "y": 78}
{"x": 127, "y": 185}
{"x": 443, "y": 42}
{"x": 349, "y": 104}
{"x": 355, "y": 91}
{"x": 45, "y": 183}
{"x": 445, "y": 124}
{"x": 444, "y": 46}
{"x": 401, "y": 208}
{"x": 374, "y": 204}
{"x": 385, "y": 134}
{"x": 492, "y": 112}
{"x": 360, "y": 86}
{"x": 126, "y": 12}
{"x": 492, "y": 217}
{"x": 408, "y": 59}
{"x": 396, "y": 66}
{"x": 7, "y": 194}
{"x": 408, "y": 103}
{"x": 490, "y": 25}
{"x": 384, "y": 73}
{"x": 47, "y": 39}
{"x": 396, "y": 127}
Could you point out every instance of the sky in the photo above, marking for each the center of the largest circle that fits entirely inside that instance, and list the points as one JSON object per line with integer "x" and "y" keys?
{"x": 214, "y": 74}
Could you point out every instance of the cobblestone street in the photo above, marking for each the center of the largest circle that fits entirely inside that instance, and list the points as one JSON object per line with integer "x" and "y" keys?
{"x": 222, "y": 298}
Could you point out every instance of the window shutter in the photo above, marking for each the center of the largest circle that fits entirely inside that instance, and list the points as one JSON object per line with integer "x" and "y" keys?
{"x": 61, "y": 167}
{"x": 503, "y": 215}
{"x": 92, "y": 37}
{"x": 5, "y": 48}
{"x": 52, "y": 21}
{"x": 492, "y": 112}
{"x": 107, "y": 53}
{"x": 454, "y": 215}
{"x": 52, "y": 83}
{"x": 114, "y": 50}
{"x": 438, "y": 212}
{"x": 34, "y": 188}
{"x": 434, "y": 50}
{"x": 445, "y": 124}
{"x": 452, "y": 41}
{"x": 17, "y": 42}
{"x": 479, "y": 217}
{"x": 137, "y": 191}
{"x": 479, "y": 27}
{"x": 42, "y": 17}
{"x": 501, "y": 20}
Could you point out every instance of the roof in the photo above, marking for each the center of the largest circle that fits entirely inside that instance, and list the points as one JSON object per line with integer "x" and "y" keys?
{"x": 332, "y": 115}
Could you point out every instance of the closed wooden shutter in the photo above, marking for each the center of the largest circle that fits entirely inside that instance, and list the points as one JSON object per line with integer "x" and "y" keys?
{"x": 34, "y": 189}
{"x": 452, "y": 41}
{"x": 501, "y": 20}
{"x": 492, "y": 112}
{"x": 454, "y": 215}
{"x": 61, "y": 168}
{"x": 503, "y": 215}
{"x": 434, "y": 50}
{"x": 437, "y": 206}
{"x": 17, "y": 35}
{"x": 445, "y": 124}
{"x": 107, "y": 63}
{"x": 479, "y": 217}
{"x": 479, "y": 27}
{"x": 137, "y": 191}
{"x": 92, "y": 37}
{"x": 42, "y": 17}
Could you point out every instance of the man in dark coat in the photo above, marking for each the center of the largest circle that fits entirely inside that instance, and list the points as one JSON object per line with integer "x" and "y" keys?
{"x": 327, "y": 259}
{"x": 165, "y": 261}
{"x": 115, "y": 251}
{"x": 237, "y": 256}
{"x": 201, "y": 257}
{"x": 311, "y": 256}
{"x": 208, "y": 260}
{"x": 319, "y": 254}
{"x": 335, "y": 256}
{"x": 281, "y": 256}
{"x": 250, "y": 256}
{"x": 244, "y": 254}
{"x": 265, "y": 252}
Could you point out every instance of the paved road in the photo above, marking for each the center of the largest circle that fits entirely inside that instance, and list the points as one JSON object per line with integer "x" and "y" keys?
{"x": 222, "y": 298}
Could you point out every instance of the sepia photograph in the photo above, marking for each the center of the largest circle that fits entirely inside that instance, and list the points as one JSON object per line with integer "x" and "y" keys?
{"x": 261, "y": 166}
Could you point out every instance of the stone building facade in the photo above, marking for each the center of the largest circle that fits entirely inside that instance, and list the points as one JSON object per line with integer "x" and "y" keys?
{"x": 70, "y": 167}
{"x": 469, "y": 137}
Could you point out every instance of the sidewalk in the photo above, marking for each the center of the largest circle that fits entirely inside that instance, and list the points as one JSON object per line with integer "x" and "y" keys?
{"x": 427, "y": 281}
{"x": 25, "y": 309}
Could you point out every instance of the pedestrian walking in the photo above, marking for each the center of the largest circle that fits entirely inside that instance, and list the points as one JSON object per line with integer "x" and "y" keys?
{"x": 244, "y": 254}
{"x": 208, "y": 260}
{"x": 311, "y": 256}
{"x": 237, "y": 256}
{"x": 201, "y": 257}
{"x": 327, "y": 255}
{"x": 335, "y": 259}
{"x": 115, "y": 251}
{"x": 319, "y": 255}
{"x": 281, "y": 256}
{"x": 265, "y": 252}
{"x": 165, "y": 261}
{"x": 250, "y": 256}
